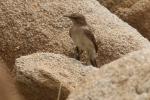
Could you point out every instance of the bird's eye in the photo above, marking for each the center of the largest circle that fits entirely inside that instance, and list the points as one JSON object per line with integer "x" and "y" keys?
{"x": 75, "y": 18}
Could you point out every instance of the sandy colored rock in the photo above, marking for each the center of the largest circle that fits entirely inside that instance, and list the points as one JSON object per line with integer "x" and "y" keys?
{"x": 28, "y": 26}
{"x": 114, "y": 5}
{"x": 40, "y": 74}
{"x": 138, "y": 16}
{"x": 124, "y": 79}
{"x": 135, "y": 12}
{"x": 8, "y": 89}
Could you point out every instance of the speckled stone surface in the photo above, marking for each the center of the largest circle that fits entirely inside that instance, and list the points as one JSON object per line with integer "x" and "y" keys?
{"x": 29, "y": 26}
{"x": 135, "y": 12}
{"x": 42, "y": 73}
{"x": 138, "y": 16}
{"x": 124, "y": 79}
{"x": 114, "y": 5}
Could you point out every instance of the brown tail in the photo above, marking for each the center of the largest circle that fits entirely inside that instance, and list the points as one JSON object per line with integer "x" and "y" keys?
{"x": 93, "y": 62}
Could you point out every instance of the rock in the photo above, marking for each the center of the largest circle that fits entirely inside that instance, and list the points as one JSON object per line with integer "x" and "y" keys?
{"x": 39, "y": 75}
{"x": 28, "y": 26}
{"x": 114, "y": 5}
{"x": 124, "y": 79}
{"x": 138, "y": 15}
{"x": 8, "y": 89}
{"x": 135, "y": 12}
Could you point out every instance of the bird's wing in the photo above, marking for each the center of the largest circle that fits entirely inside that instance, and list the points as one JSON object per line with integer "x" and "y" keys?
{"x": 89, "y": 34}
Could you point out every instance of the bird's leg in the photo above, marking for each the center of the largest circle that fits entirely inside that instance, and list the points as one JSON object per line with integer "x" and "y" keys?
{"x": 77, "y": 53}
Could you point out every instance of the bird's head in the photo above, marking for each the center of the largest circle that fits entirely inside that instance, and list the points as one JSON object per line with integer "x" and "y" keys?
{"x": 77, "y": 18}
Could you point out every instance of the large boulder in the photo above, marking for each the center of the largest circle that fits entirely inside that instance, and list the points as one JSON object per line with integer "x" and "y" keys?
{"x": 28, "y": 26}
{"x": 114, "y": 5}
{"x": 135, "y": 12}
{"x": 124, "y": 79}
{"x": 41, "y": 75}
{"x": 138, "y": 16}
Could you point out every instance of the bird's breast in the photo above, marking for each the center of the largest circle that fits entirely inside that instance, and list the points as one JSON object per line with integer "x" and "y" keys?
{"x": 81, "y": 40}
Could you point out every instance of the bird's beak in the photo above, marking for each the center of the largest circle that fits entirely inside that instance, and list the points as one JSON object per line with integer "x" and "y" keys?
{"x": 67, "y": 15}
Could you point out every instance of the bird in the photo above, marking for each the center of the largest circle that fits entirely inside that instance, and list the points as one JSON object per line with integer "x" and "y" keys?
{"x": 83, "y": 37}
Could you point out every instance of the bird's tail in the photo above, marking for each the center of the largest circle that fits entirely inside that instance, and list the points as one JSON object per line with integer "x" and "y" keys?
{"x": 93, "y": 62}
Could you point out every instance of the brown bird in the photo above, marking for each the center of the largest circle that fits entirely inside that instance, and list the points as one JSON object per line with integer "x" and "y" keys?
{"x": 83, "y": 37}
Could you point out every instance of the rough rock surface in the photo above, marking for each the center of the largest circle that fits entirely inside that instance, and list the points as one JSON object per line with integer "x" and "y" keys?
{"x": 138, "y": 15}
{"x": 28, "y": 26}
{"x": 8, "y": 89}
{"x": 40, "y": 75}
{"x": 114, "y": 5}
{"x": 124, "y": 79}
{"x": 135, "y": 12}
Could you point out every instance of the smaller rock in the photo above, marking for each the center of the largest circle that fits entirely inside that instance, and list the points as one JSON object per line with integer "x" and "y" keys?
{"x": 40, "y": 75}
{"x": 124, "y": 79}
